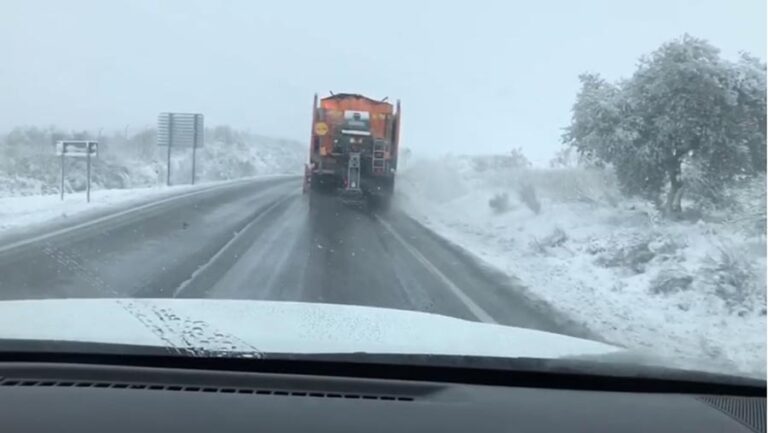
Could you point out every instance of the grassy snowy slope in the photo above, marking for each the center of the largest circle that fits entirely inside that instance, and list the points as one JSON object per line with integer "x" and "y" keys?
{"x": 693, "y": 291}
{"x": 29, "y": 166}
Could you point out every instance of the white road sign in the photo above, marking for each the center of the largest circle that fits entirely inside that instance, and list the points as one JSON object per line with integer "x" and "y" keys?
{"x": 76, "y": 148}
{"x": 180, "y": 130}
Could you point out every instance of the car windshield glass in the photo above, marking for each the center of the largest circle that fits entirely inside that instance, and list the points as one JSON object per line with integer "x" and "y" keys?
{"x": 540, "y": 180}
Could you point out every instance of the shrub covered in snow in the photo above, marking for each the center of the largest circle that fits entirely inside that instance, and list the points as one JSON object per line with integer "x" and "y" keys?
{"x": 556, "y": 238}
{"x": 670, "y": 281}
{"x": 611, "y": 262}
{"x": 28, "y": 164}
{"x": 633, "y": 256}
{"x": 515, "y": 160}
{"x": 499, "y": 202}
{"x": 733, "y": 278}
{"x": 527, "y": 194}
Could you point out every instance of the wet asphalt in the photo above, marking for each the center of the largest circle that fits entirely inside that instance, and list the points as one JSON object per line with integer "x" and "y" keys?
{"x": 266, "y": 240}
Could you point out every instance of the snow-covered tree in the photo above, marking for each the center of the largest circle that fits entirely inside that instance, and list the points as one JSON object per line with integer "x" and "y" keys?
{"x": 517, "y": 158}
{"x": 225, "y": 134}
{"x": 751, "y": 90}
{"x": 604, "y": 128}
{"x": 564, "y": 158}
{"x": 569, "y": 157}
{"x": 684, "y": 104}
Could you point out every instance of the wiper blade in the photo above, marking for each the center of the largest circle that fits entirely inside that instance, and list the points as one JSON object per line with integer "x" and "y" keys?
{"x": 609, "y": 368}
{"x": 98, "y": 348}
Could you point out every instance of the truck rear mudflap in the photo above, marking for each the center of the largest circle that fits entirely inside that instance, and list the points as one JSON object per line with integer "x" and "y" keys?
{"x": 353, "y": 198}
{"x": 379, "y": 185}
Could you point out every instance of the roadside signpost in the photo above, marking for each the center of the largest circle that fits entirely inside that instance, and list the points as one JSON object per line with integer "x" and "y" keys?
{"x": 180, "y": 130}
{"x": 77, "y": 149}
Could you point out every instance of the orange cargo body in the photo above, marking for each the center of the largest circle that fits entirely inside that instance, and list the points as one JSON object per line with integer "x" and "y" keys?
{"x": 347, "y": 124}
{"x": 334, "y": 108}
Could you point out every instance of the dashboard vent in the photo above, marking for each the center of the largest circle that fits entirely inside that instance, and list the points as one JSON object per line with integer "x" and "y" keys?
{"x": 749, "y": 411}
{"x": 191, "y": 388}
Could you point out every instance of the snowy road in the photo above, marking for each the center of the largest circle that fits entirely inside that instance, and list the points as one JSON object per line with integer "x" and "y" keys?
{"x": 263, "y": 239}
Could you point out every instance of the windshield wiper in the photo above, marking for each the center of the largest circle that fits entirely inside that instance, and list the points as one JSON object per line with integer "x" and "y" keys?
{"x": 604, "y": 366}
{"x": 10, "y": 346}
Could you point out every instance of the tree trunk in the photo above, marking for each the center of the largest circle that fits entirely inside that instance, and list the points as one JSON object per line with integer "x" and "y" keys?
{"x": 675, "y": 195}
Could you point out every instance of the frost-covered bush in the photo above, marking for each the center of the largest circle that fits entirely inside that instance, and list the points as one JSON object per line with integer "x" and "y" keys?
{"x": 597, "y": 186}
{"x": 749, "y": 210}
{"x": 555, "y": 239}
{"x": 527, "y": 194}
{"x": 733, "y": 279}
{"x": 633, "y": 256}
{"x": 504, "y": 164}
{"x": 592, "y": 186}
{"x": 28, "y": 164}
{"x": 670, "y": 281}
{"x": 499, "y": 202}
{"x": 665, "y": 245}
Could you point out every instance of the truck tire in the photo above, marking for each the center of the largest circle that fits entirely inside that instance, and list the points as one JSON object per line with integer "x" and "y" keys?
{"x": 379, "y": 202}
{"x": 318, "y": 183}
{"x": 385, "y": 202}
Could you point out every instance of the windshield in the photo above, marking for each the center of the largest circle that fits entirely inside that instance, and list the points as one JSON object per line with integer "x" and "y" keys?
{"x": 548, "y": 180}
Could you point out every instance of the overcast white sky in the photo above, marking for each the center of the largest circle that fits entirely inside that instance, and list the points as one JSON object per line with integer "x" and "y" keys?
{"x": 474, "y": 77}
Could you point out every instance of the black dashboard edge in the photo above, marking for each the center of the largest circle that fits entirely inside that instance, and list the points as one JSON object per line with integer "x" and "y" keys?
{"x": 390, "y": 371}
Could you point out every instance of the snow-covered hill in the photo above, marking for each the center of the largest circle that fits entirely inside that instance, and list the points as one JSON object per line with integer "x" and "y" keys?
{"x": 691, "y": 290}
{"x": 28, "y": 165}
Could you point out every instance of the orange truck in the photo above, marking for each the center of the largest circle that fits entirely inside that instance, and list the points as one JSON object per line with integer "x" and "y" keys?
{"x": 353, "y": 147}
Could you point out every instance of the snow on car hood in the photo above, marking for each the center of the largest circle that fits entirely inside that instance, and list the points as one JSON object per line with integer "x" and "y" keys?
{"x": 278, "y": 327}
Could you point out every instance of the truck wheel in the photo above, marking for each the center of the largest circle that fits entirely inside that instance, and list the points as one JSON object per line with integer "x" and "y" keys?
{"x": 385, "y": 202}
{"x": 389, "y": 186}
{"x": 380, "y": 202}
{"x": 316, "y": 183}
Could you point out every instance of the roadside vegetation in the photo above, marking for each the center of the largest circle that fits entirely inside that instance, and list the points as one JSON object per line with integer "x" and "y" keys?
{"x": 131, "y": 159}
{"x": 649, "y": 226}
{"x": 686, "y": 123}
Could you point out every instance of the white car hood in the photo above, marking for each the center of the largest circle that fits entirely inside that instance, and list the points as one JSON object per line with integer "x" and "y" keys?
{"x": 278, "y": 327}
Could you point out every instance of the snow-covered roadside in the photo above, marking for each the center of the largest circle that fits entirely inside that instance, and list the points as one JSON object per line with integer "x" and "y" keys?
{"x": 693, "y": 292}
{"x": 23, "y": 211}
{"x": 29, "y": 165}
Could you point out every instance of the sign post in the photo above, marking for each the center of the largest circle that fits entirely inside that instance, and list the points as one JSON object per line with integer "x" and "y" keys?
{"x": 88, "y": 175}
{"x": 180, "y": 130}
{"x": 62, "y": 176}
{"x": 77, "y": 149}
{"x": 170, "y": 141}
{"x": 194, "y": 154}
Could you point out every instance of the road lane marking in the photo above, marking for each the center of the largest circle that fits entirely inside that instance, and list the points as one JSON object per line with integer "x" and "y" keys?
{"x": 119, "y": 214}
{"x": 475, "y": 309}
{"x": 202, "y": 268}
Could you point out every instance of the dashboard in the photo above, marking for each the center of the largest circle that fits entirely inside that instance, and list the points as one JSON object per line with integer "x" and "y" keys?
{"x": 54, "y": 397}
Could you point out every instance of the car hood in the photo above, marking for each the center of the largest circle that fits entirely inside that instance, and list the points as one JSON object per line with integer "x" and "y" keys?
{"x": 278, "y": 327}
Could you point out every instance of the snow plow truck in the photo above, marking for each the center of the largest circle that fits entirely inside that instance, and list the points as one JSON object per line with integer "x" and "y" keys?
{"x": 353, "y": 148}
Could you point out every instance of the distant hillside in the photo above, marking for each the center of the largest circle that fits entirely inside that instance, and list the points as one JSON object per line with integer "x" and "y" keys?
{"x": 28, "y": 164}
